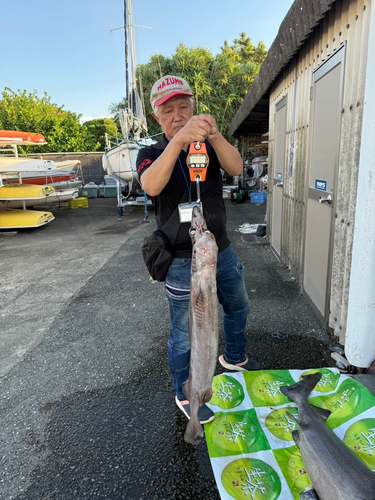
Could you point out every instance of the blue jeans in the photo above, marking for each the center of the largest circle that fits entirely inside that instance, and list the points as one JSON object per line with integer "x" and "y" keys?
{"x": 232, "y": 296}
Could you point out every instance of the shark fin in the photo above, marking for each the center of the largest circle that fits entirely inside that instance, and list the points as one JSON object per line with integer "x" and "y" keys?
{"x": 322, "y": 412}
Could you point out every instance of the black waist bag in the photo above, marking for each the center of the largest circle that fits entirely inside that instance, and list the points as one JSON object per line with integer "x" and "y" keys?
{"x": 157, "y": 254}
{"x": 157, "y": 249}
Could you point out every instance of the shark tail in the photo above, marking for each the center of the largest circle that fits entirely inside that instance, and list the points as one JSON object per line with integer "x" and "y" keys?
{"x": 302, "y": 389}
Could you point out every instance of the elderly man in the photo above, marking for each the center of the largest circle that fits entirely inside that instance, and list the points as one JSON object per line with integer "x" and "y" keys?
{"x": 165, "y": 177}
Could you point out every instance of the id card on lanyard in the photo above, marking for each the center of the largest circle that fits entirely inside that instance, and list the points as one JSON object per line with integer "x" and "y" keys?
{"x": 185, "y": 210}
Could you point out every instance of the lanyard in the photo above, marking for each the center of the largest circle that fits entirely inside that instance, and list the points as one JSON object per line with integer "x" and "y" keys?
{"x": 187, "y": 184}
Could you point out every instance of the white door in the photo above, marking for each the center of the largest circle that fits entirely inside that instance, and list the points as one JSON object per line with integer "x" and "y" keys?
{"x": 278, "y": 175}
{"x": 322, "y": 179}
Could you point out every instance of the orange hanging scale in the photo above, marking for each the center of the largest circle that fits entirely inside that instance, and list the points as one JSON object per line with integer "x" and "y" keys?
{"x": 197, "y": 160}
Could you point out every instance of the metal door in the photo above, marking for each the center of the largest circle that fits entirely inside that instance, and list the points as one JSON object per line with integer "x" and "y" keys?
{"x": 278, "y": 175}
{"x": 322, "y": 180}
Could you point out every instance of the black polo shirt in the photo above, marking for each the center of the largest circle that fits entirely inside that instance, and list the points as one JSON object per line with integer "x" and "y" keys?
{"x": 166, "y": 202}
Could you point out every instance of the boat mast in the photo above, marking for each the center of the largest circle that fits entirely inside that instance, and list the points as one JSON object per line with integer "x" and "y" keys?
{"x": 126, "y": 54}
{"x": 134, "y": 81}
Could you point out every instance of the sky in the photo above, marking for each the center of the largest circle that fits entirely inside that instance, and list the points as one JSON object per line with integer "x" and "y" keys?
{"x": 65, "y": 47}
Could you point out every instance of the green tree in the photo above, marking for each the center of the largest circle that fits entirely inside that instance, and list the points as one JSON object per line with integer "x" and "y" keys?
{"x": 97, "y": 129}
{"x": 27, "y": 112}
{"x": 244, "y": 51}
{"x": 115, "y": 107}
{"x": 219, "y": 82}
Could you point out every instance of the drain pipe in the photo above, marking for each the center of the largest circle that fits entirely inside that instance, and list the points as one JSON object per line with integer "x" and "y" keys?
{"x": 360, "y": 332}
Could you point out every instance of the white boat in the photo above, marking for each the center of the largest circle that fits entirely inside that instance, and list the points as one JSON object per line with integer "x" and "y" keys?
{"x": 120, "y": 162}
{"x": 69, "y": 183}
{"x": 13, "y": 165}
{"x": 10, "y": 165}
{"x": 119, "y": 159}
{"x": 60, "y": 179}
{"x": 60, "y": 175}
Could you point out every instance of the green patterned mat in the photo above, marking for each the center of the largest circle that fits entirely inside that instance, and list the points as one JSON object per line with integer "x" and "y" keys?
{"x": 250, "y": 443}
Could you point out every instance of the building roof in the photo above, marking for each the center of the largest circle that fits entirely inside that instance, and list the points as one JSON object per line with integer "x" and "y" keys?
{"x": 296, "y": 27}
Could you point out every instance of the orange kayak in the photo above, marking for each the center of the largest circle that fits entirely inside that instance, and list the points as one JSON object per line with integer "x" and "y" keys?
{"x": 11, "y": 137}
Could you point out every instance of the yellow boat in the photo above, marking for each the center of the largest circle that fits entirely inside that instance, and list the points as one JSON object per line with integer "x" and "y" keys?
{"x": 19, "y": 219}
{"x": 25, "y": 192}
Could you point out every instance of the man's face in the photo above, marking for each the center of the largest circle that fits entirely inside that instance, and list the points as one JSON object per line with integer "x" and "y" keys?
{"x": 174, "y": 114}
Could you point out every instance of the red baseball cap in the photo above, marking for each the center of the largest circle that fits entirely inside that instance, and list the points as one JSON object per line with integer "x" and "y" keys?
{"x": 166, "y": 88}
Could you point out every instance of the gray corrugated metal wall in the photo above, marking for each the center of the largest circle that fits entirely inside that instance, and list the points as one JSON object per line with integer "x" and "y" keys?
{"x": 347, "y": 22}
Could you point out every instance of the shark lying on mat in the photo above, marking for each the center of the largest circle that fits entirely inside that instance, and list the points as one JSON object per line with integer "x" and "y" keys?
{"x": 335, "y": 472}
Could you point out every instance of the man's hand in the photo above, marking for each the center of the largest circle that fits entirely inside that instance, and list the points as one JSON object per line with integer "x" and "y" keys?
{"x": 202, "y": 127}
{"x": 198, "y": 128}
{"x": 212, "y": 123}
{"x": 229, "y": 157}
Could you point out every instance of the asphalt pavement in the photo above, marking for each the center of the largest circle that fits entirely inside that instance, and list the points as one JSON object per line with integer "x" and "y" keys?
{"x": 86, "y": 399}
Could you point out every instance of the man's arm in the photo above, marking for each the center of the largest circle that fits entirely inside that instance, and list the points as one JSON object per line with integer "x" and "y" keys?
{"x": 156, "y": 177}
{"x": 229, "y": 158}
